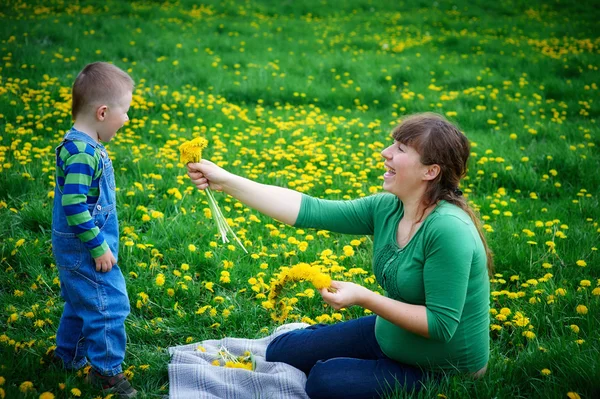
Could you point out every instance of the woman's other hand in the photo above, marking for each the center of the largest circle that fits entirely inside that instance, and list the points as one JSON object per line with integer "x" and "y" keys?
{"x": 344, "y": 294}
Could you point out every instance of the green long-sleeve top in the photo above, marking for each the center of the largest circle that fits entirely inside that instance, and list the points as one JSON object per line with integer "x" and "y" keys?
{"x": 443, "y": 267}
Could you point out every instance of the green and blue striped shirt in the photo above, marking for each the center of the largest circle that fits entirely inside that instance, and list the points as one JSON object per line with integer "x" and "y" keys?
{"x": 78, "y": 172}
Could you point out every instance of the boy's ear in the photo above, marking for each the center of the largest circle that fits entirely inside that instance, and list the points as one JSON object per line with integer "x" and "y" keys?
{"x": 432, "y": 172}
{"x": 101, "y": 112}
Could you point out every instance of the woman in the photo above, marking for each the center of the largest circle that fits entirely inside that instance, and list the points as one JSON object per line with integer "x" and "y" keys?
{"x": 429, "y": 255}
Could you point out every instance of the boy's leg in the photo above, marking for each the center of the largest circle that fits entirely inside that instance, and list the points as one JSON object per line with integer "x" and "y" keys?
{"x": 102, "y": 303}
{"x": 105, "y": 330}
{"x": 303, "y": 348}
{"x": 105, "y": 333}
{"x": 70, "y": 343}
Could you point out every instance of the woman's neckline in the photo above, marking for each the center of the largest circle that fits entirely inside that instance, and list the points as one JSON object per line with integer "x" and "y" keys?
{"x": 411, "y": 239}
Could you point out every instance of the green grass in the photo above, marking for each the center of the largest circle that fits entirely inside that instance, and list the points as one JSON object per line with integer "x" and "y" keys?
{"x": 304, "y": 94}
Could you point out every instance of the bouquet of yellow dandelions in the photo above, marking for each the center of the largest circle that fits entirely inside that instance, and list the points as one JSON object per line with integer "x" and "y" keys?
{"x": 299, "y": 272}
{"x": 191, "y": 151}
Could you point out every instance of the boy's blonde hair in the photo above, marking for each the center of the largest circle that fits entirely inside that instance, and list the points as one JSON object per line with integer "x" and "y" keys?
{"x": 97, "y": 84}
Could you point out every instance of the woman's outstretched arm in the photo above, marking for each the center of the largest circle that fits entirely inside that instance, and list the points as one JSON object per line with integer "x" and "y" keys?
{"x": 277, "y": 202}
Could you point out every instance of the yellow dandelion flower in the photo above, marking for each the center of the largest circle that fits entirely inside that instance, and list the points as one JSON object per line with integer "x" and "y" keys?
{"x": 321, "y": 281}
{"x": 219, "y": 299}
{"x": 160, "y": 279}
{"x": 225, "y": 278}
{"x": 573, "y": 395}
{"x": 26, "y": 386}
{"x": 203, "y": 309}
{"x": 528, "y": 334}
{"x": 348, "y": 250}
{"x": 47, "y": 395}
{"x": 581, "y": 309}
{"x": 574, "y": 328}
{"x": 191, "y": 151}
{"x": 581, "y": 263}
{"x": 520, "y": 320}
{"x": 546, "y": 372}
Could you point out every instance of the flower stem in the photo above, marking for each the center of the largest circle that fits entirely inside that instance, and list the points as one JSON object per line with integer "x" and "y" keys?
{"x": 222, "y": 224}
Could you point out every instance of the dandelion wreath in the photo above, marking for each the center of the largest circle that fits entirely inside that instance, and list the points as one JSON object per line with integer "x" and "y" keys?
{"x": 300, "y": 272}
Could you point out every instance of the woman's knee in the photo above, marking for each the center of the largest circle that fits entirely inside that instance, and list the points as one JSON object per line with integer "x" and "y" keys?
{"x": 323, "y": 383}
{"x": 275, "y": 350}
{"x": 316, "y": 382}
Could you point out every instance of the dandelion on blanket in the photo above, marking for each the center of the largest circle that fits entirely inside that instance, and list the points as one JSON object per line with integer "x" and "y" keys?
{"x": 191, "y": 151}
{"x": 245, "y": 361}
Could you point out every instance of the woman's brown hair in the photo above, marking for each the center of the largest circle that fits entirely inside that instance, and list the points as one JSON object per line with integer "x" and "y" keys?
{"x": 441, "y": 143}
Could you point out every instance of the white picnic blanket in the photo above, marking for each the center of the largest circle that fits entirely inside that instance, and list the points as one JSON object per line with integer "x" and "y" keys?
{"x": 192, "y": 376}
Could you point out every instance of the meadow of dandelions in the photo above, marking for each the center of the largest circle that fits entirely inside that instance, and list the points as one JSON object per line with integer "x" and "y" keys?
{"x": 303, "y": 95}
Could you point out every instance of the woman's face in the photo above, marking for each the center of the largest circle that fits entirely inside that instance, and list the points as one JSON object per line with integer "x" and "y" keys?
{"x": 404, "y": 170}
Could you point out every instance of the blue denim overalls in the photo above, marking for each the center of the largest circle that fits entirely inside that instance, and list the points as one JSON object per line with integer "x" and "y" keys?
{"x": 96, "y": 303}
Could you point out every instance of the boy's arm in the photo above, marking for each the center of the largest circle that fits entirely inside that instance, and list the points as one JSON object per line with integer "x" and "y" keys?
{"x": 79, "y": 170}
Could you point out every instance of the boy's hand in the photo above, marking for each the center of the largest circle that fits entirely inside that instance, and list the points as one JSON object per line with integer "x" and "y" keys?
{"x": 105, "y": 262}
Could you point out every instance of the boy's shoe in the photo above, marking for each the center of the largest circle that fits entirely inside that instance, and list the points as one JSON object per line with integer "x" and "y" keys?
{"x": 116, "y": 384}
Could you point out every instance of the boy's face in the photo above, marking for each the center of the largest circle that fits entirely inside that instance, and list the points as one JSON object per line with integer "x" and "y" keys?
{"x": 115, "y": 117}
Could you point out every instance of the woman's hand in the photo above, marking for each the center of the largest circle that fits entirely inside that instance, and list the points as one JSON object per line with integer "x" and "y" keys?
{"x": 205, "y": 173}
{"x": 345, "y": 294}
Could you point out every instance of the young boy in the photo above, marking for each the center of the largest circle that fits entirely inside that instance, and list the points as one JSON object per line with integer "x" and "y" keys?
{"x": 85, "y": 232}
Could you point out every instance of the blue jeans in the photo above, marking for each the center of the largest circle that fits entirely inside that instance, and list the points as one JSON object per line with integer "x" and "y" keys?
{"x": 344, "y": 360}
{"x": 92, "y": 326}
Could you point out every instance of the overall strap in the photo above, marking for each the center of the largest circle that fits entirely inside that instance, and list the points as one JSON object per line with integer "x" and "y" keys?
{"x": 74, "y": 134}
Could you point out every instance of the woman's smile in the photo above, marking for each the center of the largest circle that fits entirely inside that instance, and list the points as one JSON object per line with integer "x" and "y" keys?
{"x": 389, "y": 172}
